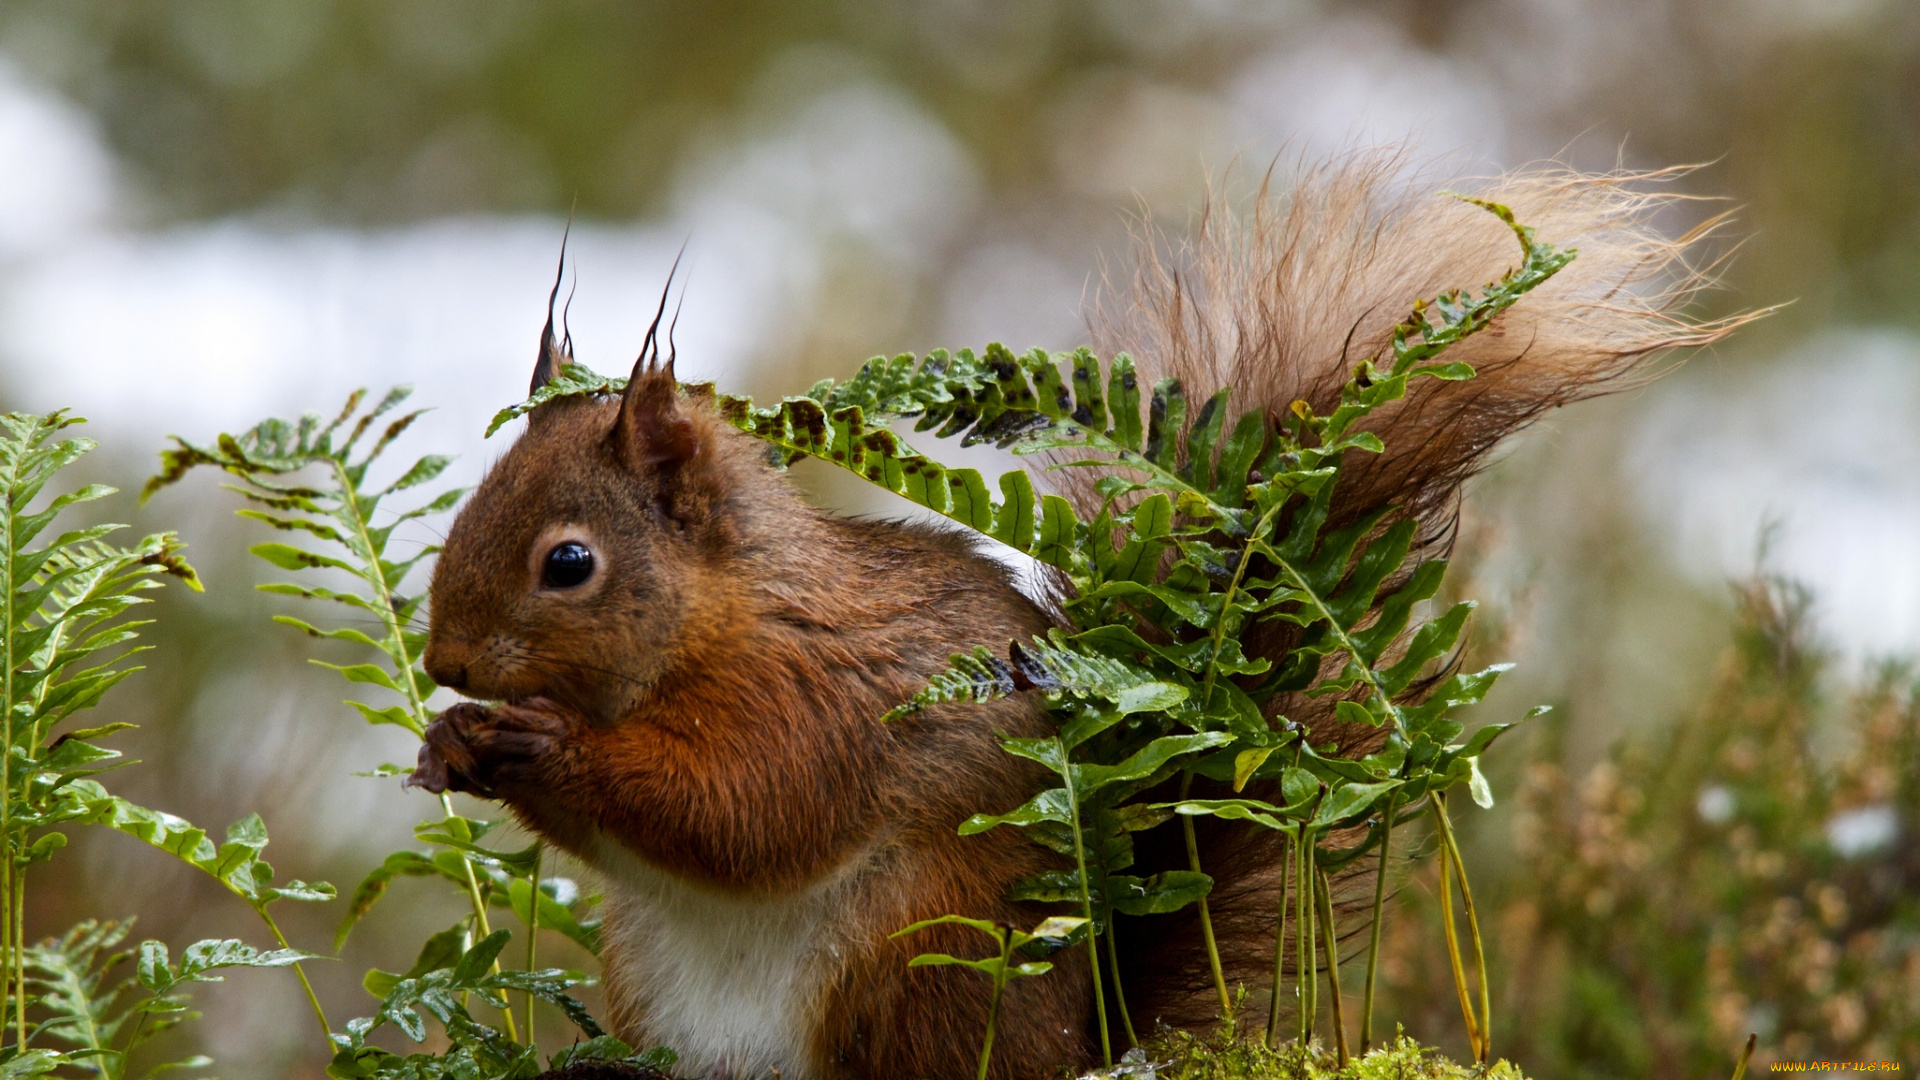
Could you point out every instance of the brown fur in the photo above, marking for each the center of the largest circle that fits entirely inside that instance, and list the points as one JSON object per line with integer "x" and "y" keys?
{"x": 711, "y": 700}
{"x": 708, "y": 700}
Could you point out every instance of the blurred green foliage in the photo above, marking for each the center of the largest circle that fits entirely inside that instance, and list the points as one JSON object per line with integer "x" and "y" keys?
{"x": 387, "y": 110}
{"x": 380, "y": 111}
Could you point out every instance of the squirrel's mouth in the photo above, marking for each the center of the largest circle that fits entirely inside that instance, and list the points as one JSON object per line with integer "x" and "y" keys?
{"x": 508, "y": 672}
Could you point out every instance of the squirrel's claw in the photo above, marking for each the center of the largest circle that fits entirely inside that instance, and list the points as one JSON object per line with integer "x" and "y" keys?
{"x": 448, "y": 761}
{"x": 473, "y": 748}
{"x": 428, "y": 772}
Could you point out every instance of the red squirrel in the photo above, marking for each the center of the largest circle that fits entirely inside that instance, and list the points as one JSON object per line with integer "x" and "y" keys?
{"x": 679, "y": 666}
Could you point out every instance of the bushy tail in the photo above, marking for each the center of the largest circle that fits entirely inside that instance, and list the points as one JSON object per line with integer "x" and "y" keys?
{"x": 1282, "y": 300}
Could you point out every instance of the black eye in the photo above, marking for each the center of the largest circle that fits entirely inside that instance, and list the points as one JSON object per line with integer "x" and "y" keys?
{"x": 567, "y": 565}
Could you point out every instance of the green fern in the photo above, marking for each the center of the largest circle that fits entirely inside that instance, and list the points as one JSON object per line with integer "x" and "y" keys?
{"x": 450, "y": 973}
{"x": 103, "y": 1018}
{"x": 1052, "y": 933}
{"x": 311, "y": 477}
{"x": 66, "y": 645}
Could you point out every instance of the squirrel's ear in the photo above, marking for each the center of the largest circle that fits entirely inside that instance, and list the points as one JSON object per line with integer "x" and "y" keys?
{"x": 654, "y": 430}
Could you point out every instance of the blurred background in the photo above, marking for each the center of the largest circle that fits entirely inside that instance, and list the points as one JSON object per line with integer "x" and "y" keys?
{"x": 212, "y": 211}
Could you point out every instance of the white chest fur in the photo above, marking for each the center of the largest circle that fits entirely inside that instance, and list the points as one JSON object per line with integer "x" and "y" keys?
{"x": 728, "y": 981}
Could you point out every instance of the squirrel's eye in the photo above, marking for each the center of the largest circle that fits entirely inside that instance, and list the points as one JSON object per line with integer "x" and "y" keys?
{"x": 567, "y": 565}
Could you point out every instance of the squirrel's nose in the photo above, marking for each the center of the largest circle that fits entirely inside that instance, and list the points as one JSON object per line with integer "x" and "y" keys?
{"x": 444, "y": 669}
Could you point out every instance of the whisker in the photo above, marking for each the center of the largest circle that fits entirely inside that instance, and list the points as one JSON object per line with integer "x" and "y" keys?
{"x": 541, "y": 658}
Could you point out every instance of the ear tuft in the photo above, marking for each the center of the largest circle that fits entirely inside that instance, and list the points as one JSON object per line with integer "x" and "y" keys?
{"x": 554, "y": 354}
{"x": 654, "y": 430}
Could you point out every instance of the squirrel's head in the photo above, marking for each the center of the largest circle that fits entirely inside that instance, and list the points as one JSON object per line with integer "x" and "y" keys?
{"x": 601, "y": 551}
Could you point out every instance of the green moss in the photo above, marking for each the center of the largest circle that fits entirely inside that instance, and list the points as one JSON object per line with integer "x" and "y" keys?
{"x": 1224, "y": 1055}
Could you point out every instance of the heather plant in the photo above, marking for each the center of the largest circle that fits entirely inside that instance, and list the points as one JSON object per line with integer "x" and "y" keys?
{"x": 1749, "y": 869}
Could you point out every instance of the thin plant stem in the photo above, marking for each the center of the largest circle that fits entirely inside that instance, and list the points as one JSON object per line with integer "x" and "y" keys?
{"x": 1119, "y": 995}
{"x": 326, "y": 1029}
{"x": 1206, "y": 917}
{"x": 1373, "y": 936}
{"x": 1279, "y": 953}
{"x": 7, "y": 986}
{"x": 1306, "y": 969}
{"x": 7, "y": 702}
{"x": 482, "y": 926}
{"x": 1331, "y": 943}
{"x": 20, "y": 953}
{"x": 993, "y": 1007}
{"x": 118, "y": 1070}
{"x": 1186, "y": 779}
{"x": 1740, "y": 1070}
{"x": 1452, "y": 932}
{"x": 1304, "y": 972}
{"x": 1485, "y": 1049}
{"x": 533, "y": 934}
{"x": 384, "y": 591}
{"x": 1086, "y": 905}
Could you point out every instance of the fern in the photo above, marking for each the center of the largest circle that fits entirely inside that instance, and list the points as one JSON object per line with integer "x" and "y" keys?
{"x": 66, "y": 646}
{"x": 310, "y": 477}
{"x": 1052, "y": 933}
{"x": 105, "y": 1019}
{"x": 1175, "y": 567}
{"x": 448, "y": 974}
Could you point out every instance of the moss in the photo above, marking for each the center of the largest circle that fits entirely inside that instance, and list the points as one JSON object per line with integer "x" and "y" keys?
{"x": 1224, "y": 1055}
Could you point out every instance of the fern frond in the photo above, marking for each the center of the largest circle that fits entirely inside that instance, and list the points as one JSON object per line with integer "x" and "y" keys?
{"x": 338, "y": 510}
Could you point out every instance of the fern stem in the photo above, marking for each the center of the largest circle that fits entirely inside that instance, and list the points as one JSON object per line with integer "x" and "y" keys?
{"x": 1740, "y": 1069}
{"x": 1373, "y": 938}
{"x": 1484, "y": 1050}
{"x": 993, "y": 1006}
{"x": 384, "y": 596}
{"x": 1086, "y": 905}
{"x": 20, "y": 954}
{"x": 482, "y": 925}
{"x": 111, "y": 1069}
{"x": 1186, "y": 778}
{"x": 10, "y": 977}
{"x": 1279, "y": 951}
{"x": 7, "y": 830}
{"x": 15, "y": 984}
{"x": 326, "y": 1029}
{"x": 533, "y": 934}
{"x": 1120, "y": 995}
{"x": 1438, "y": 806}
{"x": 14, "y": 991}
{"x": 403, "y": 661}
{"x": 1330, "y": 941}
{"x": 1206, "y": 916}
{"x": 1306, "y": 970}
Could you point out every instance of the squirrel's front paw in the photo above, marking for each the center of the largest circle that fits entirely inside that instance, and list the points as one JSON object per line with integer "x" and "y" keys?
{"x": 482, "y": 750}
